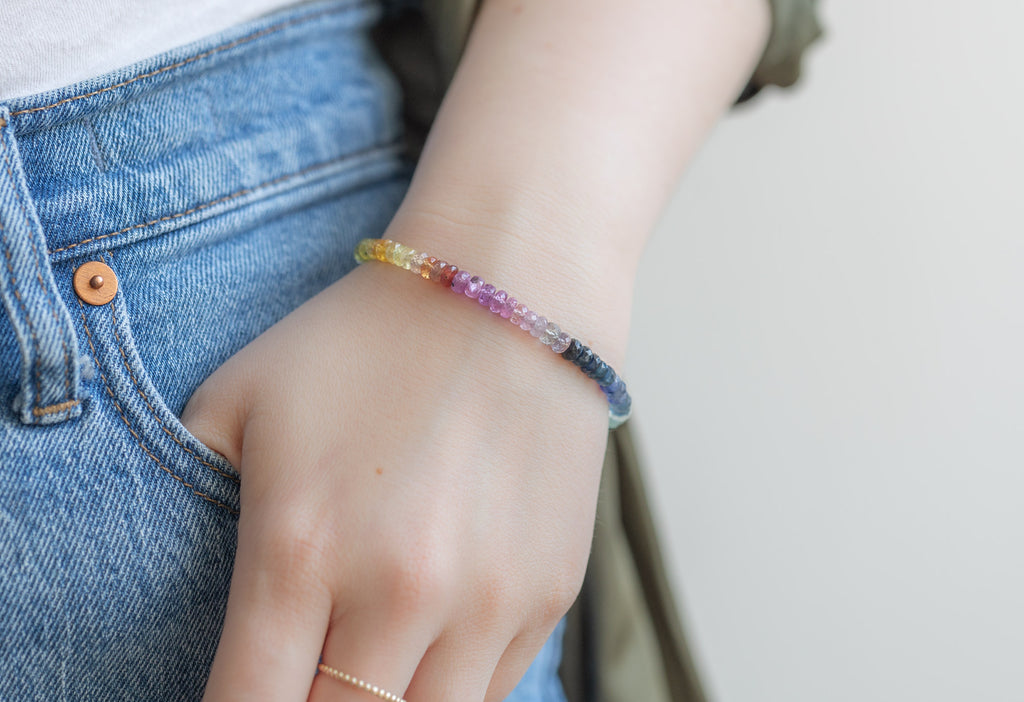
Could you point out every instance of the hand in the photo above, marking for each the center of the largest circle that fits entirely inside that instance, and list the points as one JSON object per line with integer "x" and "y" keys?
{"x": 418, "y": 494}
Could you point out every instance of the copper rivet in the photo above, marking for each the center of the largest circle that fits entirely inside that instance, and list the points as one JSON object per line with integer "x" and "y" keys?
{"x": 95, "y": 283}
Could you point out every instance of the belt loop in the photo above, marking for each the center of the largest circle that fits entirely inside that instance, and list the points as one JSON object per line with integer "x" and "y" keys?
{"x": 49, "y": 390}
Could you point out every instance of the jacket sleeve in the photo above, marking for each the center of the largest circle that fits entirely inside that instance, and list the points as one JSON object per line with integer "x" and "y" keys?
{"x": 794, "y": 28}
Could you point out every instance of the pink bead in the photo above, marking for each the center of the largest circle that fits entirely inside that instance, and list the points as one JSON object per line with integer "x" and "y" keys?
{"x": 561, "y": 343}
{"x": 507, "y": 307}
{"x": 473, "y": 287}
{"x": 529, "y": 319}
{"x": 518, "y": 312}
{"x": 498, "y": 301}
{"x": 460, "y": 281}
{"x": 486, "y": 293}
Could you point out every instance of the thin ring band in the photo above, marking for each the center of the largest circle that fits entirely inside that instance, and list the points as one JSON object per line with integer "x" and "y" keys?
{"x": 361, "y": 684}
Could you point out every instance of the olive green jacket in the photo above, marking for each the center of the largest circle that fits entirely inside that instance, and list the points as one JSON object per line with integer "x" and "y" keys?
{"x": 794, "y": 28}
{"x": 624, "y": 641}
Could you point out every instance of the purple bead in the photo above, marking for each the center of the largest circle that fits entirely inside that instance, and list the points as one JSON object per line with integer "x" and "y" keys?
{"x": 539, "y": 325}
{"x": 460, "y": 281}
{"x": 486, "y": 293}
{"x": 507, "y": 307}
{"x": 498, "y": 301}
{"x": 561, "y": 343}
{"x": 528, "y": 320}
{"x": 473, "y": 286}
{"x": 518, "y": 312}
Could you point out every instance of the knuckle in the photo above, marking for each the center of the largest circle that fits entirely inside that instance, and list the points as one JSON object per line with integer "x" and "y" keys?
{"x": 418, "y": 581}
{"x": 564, "y": 587}
{"x": 496, "y": 594}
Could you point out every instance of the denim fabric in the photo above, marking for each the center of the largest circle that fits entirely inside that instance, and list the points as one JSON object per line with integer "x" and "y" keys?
{"x": 225, "y": 183}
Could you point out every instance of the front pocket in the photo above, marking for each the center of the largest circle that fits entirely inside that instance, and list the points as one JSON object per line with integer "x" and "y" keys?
{"x": 116, "y": 376}
{"x": 188, "y": 301}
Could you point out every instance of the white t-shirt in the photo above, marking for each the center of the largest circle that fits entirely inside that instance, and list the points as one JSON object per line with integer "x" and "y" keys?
{"x": 46, "y": 44}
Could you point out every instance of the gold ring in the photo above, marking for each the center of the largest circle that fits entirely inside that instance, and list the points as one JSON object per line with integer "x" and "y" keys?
{"x": 361, "y": 684}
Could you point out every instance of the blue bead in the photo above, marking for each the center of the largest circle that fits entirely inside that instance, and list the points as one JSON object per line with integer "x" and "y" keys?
{"x": 585, "y": 357}
{"x": 590, "y": 366}
{"x": 607, "y": 377}
{"x": 573, "y": 352}
{"x": 614, "y": 387}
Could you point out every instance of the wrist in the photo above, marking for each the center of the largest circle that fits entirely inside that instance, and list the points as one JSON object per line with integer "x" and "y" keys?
{"x": 551, "y": 266}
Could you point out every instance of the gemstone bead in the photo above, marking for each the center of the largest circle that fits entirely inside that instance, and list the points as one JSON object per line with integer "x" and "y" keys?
{"x": 363, "y": 251}
{"x": 379, "y": 249}
{"x": 460, "y": 281}
{"x": 498, "y": 301}
{"x": 560, "y": 344}
{"x": 616, "y": 388}
{"x": 416, "y": 262}
{"x": 389, "y": 251}
{"x": 473, "y": 286}
{"x": 486, "y": 294}
{"x": 607, "y": 377}
{"x": 573, "y": 351}
{"x": 550, "y": 334}
{"x": 506, "y": 307}
{"x": 585, "y": 357}
{"x": 539, "y": 326}
{"x": 401, "y": 255}
{"x": 428, "y": 265}
{"x": 528, "y": 320}
{"x": 518, "y": 312}
{"x": 448, "y": 274}
{"x": 435, "y": 271}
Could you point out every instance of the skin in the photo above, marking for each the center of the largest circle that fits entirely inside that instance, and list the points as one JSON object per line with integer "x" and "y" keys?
{"x": 431, "y": 546}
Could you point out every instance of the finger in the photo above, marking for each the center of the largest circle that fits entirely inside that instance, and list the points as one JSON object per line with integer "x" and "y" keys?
{"x": 273, "y": 630}
{"x": 525, "y": 651}
{"x": 455, "y": 668}
{"x": 215, "y": 415}
{"x": 368, "y": 646}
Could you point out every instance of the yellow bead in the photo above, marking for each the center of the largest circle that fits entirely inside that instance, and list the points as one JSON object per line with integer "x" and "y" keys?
{"x": 363, "y": 251}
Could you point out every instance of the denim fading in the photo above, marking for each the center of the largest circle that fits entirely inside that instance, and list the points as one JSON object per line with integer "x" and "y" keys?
{"x": 225, "y": 183}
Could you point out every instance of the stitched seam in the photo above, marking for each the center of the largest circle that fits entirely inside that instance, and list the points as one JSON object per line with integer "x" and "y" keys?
{"x": 24, "y": 311}
{"x": 54, "y": 409}
{"x": 35, "y": 259}
{"x": 99, "y": 152}
{"x": 225, "y": 198}
{"x": 192, "y": 59}
{"x": 138, "y": 387}
{"x": 138, "y": 439}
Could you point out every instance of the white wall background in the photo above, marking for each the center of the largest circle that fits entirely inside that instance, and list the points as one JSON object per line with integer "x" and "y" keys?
{"x": 827, "y": 369}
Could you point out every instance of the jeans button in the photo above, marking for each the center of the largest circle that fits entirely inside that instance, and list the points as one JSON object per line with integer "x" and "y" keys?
{"x": 95, "y": 283}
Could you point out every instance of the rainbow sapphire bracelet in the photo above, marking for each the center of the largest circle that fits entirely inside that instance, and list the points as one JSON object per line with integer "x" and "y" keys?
{"x": 507, "y": 307}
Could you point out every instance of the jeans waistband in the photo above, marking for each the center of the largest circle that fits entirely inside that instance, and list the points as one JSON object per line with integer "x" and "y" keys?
{"x": 167, "y": 142}
{"x": 129, "y": 154}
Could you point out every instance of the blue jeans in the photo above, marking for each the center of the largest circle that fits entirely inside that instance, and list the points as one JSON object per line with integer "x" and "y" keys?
{"x": 223, "y": 183}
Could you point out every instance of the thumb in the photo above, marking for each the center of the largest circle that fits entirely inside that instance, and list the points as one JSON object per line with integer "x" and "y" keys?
{"x": 215, "y": 415}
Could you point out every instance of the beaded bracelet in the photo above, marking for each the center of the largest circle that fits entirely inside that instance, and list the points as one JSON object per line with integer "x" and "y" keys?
{"x": 502, "y": 304}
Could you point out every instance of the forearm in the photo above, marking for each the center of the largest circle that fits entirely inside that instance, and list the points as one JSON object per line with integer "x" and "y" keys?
{"x": 562, "y": 135}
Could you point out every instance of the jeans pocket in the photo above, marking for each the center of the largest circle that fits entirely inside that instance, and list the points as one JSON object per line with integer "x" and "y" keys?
{"x": 120, "y": 385}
